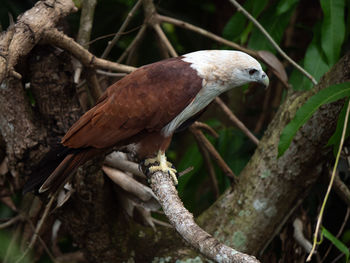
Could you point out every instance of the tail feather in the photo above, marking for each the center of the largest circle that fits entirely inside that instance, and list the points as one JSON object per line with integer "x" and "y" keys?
{"x": 55, "y": 168}
{"x": 69, "y": 165}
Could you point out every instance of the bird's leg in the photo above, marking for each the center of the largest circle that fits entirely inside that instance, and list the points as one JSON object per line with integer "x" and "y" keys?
{"x": 160, "y": 163}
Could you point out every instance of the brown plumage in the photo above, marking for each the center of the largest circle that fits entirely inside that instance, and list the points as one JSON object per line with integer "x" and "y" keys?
{"x": 137, "y": 106}
{"x": 144, "y": 109}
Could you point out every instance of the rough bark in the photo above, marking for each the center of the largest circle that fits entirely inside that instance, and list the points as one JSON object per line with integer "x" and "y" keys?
{"x": 23, "y": 36}
{"x": 248, "y": 216}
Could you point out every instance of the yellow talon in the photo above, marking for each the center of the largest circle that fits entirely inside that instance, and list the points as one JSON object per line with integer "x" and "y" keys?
{"x": 164, "y": 166}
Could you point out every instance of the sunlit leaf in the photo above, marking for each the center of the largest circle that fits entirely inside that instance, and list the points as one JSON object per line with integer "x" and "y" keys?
{"x": 336, "y": 242}
{"x": 284, "y": 6}
{"x": 328, "y": 95}
{"x": 333, "y": 29}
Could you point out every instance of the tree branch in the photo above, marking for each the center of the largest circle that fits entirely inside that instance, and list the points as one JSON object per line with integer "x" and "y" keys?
{"x": 213, "y": 152}
{"x": 204, "y": 32}
{"x": 25, "y": 34}
{"x": 57, "y": 38}
{"x": 182, "y": 220}
{"x": 269, "y": 187}
{"x": 121, "y": 29}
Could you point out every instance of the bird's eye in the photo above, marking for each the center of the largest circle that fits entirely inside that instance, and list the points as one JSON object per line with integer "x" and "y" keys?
{"x": 252, "y": 71}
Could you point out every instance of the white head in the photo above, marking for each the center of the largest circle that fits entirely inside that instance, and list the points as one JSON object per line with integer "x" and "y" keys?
{"x": 227, "y": 68}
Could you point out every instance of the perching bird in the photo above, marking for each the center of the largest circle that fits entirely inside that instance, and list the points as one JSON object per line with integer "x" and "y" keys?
{"x": 144, "y": 109}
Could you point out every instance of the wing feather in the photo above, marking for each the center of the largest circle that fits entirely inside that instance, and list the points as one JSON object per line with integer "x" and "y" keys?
{"x": 145, "y": 100}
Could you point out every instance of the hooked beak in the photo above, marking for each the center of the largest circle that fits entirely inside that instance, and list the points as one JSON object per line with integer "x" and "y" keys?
{"x": 264, "y": 80}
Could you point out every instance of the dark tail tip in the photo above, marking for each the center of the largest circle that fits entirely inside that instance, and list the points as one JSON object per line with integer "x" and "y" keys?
{"x": 46, "y": 166}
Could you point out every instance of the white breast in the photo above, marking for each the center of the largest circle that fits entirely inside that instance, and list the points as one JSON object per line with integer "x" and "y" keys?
{"x": 203, "y": 98}
{"x": 217, "y": 69}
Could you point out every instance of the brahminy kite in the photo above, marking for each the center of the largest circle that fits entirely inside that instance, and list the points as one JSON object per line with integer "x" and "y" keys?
{"x": 142, "y": 111}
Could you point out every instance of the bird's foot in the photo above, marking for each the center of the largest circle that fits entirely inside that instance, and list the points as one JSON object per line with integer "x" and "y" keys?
{"x": 161, "y": 164}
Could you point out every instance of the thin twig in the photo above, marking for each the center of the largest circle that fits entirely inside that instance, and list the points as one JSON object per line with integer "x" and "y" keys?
{"x": 94, "y": 84}
{"x": 38, "y": 228}
{"x": 319, "y": 220}
{"x": 51, "y": 256}
{"x": 11, "y": 221}
{"x": 298, "y": 235}
{"x": 206, "y": 127}
{"x": 84, "y": 33}
{"x": 342, "y": 190}
{"x": 340, "y": 231}
{"x": 110, "y": 74}
{"x": 129, "y": 184}
{"x": 135, "y": 41}
{"x": 236, "y": 121}
{"x": 272, "y": 41}
{"x": 205, "y": 33}
{"x": 57, "y": 38}
{"x": 121, "y": 29}
{"x": 165, "y": 40}
{"x": 210, "y": 168}
{"x": 117, "y": 160}
{"x": 213, "y": 152}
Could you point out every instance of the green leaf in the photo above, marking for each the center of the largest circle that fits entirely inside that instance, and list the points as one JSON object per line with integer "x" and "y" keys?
{"x": 314, "y": 63}
{"x": 336, "y": 242}
{"x": 234, "y": 26}
{"x": 192, "y": 157}
{"x": 237, "y": 23}
{"x": 274, "y": 24}
{"x": 333, "y": 28}
{"x": 327, "y": 95}
{"x": 284, "y": 6}
{"x": 335, "y": 139}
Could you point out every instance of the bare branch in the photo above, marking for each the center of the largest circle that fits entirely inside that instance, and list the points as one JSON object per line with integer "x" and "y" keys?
{"x": 136, "y": 40}
{"x": 117, "y": 160}
{"x": 121, "y": 29}
{"x": 342, "y": 190}
{"x": 24, "y": 35}
{"x": 165, "y": 40}
{"x": 182, "y": 220}
{"x": 299, "y": 235}
{"x": 204, "y": 32}
{"x": 274, "y": 44}
{"x": 210, "y": 169}
{"x": 11, "y": 221}
{"x": 206, "y": 127}
{"x": 37, "y": 228}
{"x": 84, "y": 33}
{"x": 94, "y": 84}
{"x": 211, "y": 149}
{"x": 236, "y": 121}
{"x": 57, "y": 38}
{"x": 110, "y": 74}
{"x": 129, "y": 184}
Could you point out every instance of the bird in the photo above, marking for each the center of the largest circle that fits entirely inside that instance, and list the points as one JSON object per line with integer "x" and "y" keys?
{"x": 143, "y": 110}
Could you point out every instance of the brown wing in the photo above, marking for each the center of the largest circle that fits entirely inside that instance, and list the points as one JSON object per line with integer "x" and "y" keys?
{"x": 145, "y": 100}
